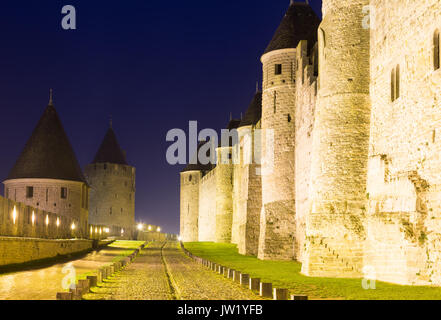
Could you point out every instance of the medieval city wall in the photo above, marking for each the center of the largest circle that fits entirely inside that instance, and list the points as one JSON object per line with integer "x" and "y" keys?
{"x": 207, "y": 207}
{"x": 247, "y": 175}
{"x": 335, "y": 230}
{"x": 404, "y": 219}
{"x": 306, "y": 96}
{"x": 190, "y": 205}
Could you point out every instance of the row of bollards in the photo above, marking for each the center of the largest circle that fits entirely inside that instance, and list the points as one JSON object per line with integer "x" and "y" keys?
{"x": 83, "y": 286}
{"x": 265, "y": 289}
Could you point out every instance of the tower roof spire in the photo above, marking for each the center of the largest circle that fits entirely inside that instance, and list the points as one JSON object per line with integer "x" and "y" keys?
{"x": 110, "y": 121}
{"x": 51, "y": 98}
{"x": 299, "y": 23}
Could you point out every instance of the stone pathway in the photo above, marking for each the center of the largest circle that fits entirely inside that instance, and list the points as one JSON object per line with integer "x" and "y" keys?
{"x": 194, "y": 282}
{"x": 143, "y": 279}
{"x": 163, "y": 272}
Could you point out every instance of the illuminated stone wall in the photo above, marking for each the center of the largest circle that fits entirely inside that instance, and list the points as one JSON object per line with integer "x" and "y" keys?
{"x": 277, "y": 229}
{"x": 47, "y": 197}
{"x": 335, "y": 226}
{"x": 112, "y": 196}
{"x": 224, "y": 195}
{"x": 247, "y": 195}
{"x": 306, "y": 96}
{"x": 189, "y": 206}
{"x": 404, "y": 217}
{"x": 207, "y": 207}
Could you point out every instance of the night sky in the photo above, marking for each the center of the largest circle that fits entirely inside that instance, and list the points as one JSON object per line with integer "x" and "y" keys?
{"x": 152, "y": 65}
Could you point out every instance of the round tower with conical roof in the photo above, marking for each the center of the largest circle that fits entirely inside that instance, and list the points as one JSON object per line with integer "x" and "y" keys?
{"x": 279, "y": 106}
{"x": 112, "y": 195}
{"x": 47, "y": 175}
{"x": 334, "y": 227}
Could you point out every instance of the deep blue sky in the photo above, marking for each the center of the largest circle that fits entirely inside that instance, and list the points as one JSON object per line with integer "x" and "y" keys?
{"x": 152, "y": 65}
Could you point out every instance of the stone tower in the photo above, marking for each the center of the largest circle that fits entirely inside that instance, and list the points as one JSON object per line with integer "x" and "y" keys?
{"x": 112, "y": 181}
{"x": 189, "y": 199}
{"x": 277, "y": 230}
{"x": 47, "y": 175}
{"x": 224, "y": 185}
{"x": 247, "y": 195}
{"x": 335, "y": 226}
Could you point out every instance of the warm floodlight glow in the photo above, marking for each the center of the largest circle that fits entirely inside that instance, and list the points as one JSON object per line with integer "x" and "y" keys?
{"x": 14, "y": 214}
{"x": 179, "y": 238}
{"x": 150, "y": 228}
{"x": 33, "y": 218}
{"x": 91, "y": 230}
{"x": 140, "y": 226}
{"x": 107, "y": 230}
{"x": 47, "y": 219}
{"x": 101, "y": 231}
{"x": 73, "y": 226}
{"x": 159, "y": 229}
{"x": 122, "y": 231}
{"x": 58, "y": 222}
{"x": 96, "y": 230}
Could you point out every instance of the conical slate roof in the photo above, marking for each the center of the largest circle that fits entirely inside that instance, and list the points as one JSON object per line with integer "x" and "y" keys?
{"x": 254, "y": 111}
{"x": 300, "y": 23}
{"x": 110, "y": 151}
{"x": 48, "y": 153}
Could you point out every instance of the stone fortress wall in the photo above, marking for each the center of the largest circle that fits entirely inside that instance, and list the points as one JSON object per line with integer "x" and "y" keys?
{"x": 363, "y": 169}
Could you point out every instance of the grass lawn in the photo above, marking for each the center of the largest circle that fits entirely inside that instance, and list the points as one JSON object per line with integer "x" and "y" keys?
{"x": 287, "y": 275}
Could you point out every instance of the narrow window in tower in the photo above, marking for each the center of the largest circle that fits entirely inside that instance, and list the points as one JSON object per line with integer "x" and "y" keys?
{"x": 275, "y": 101}
{"x": 63, "y": 193}
{"x": 278, "y": 69}
{"x": 392, "y": 85}
{"x": 189, "y": 178}
{"x": 29, "y": 192}
{"x": 436, "y": 51}
{"x": 7, "y": 193}
{"x": 110, "y": 210}
{"x": 47, "y": 195}
{"x": 397, "y": 82}
{"x": 289, "y": 118}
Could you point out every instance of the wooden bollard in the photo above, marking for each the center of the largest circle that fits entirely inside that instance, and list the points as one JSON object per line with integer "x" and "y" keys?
{"x": 77, "y": 293}
{"x": 64, "y": 295}
{"x": 280, "y": 294}
{"x": 299, "y": 297}
{"x": 255, "y": 284}
{"x": 266, "y": 290}
{"x": 231, "y": 273}
{"x": 99, "y": 275}
{"x": 225, "y": 272}
{"x": 244, "y": 279}
{"x": 93, "y": 281}
{"x": 220, "y": 270}
{"x": 213, "y": 266}
{"x": 85, "y": 285}
{"x": 236, "y": 276}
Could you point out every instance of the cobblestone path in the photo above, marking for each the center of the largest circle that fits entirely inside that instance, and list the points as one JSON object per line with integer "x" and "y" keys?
{"x": 163, "y": 272}
{"x": 194, "y": 282}
{"x": 144, "y": 279}
{"x": 44, "y": 283}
